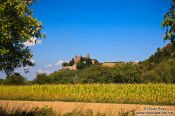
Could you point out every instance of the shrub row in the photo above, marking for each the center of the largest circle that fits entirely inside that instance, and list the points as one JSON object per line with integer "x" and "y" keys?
{"x": 124, "y": 73}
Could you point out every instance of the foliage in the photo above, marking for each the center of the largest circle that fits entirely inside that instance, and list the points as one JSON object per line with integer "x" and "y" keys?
{"x": 89, "y": 112}
{"x": 15, "y": 79}
{"x": 42, "y": 78}
{"x": 71, "y": 63}
{"x": 25, "y": 110}
{"x": 151, "y": 77}
{"x": 161, "y": 55}
{"x": 84, "y": 62}
{"x": 160, "y": 66}
{"x": 81, "y": 112}
{"x": 163, "y": 72}
{"x": 17, "y": 26}
{"x": 65, "y": 64}
{"x": 169, "y": 23}
{"x": 113, "y": 93}
{"x": 45, "y": 111}
{"x": 63, "y": 76}
{"x": 126, "y": 73}
{"x": 2, "y": 81}
{"x": 95, "y": 74}
{"x": 122, "y": 112}
{"x": 19, "y": 111}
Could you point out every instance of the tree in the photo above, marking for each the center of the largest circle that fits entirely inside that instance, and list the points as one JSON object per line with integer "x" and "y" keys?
{"x": 169, "y": 23}
{"x": 84, "y": 62}
{"x": 95, "y": 74}
{"x": 17, "y": 26}
{"x": 64, "y": 76}
{"x": 16, "y": 79}
{"x": 72, "y": 62}
{"x": 42, "y": 78}
{"x": 65, "y": 64}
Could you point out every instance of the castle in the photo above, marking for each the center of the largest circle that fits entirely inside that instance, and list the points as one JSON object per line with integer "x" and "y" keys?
{"x": 77, "y": 59}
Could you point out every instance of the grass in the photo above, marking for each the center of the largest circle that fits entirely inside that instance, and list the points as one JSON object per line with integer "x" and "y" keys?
{"x": 160, "y": 94}
{"x": 23, "y": 110}
{"x": 88, "y": 112}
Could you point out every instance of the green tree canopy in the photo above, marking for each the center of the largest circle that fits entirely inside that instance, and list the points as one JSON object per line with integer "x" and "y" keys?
{"x": 42, "y": 78}
{"x": 84, "y": 62}
{"x": 15, "y": 79}
{"x": 169, "y": 23}
{"x": 17, "y": 26}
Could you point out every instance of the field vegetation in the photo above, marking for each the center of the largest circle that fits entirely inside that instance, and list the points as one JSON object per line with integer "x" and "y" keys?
{"x": 112, "y": 93}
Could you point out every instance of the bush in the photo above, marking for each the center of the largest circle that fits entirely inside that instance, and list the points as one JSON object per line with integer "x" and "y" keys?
{"x": 65, "y": 64}
{"x": 84, "y": 63}
{"x": 42, "y": 78}
{"x": 15, "y": 79}
{"x": 6, "y": 110}
{"x": 151, "y": 77}
{"x": 64, "y": 76}
{"x": 163, "y": 72}
{"x": 2, "y": 81}
{"x": 95, "y": 74}
{"x": 126, "y": 73}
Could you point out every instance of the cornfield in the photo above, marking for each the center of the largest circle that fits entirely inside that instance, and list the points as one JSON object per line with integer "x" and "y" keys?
{"x": 111, "y": 93}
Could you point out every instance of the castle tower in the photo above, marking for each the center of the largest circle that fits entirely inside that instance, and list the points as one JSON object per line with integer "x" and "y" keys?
{"x": 77, "y": 59}
{"x": 87, "y": 55}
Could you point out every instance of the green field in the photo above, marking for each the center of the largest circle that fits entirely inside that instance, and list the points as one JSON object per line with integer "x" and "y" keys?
{"x": 113, "y": 93}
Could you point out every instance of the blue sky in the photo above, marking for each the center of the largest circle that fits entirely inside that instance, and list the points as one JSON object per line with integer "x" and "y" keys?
{"x": 110, "y": 30}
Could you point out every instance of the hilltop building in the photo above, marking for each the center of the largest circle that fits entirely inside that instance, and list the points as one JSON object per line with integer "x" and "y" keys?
{"x": 76, "y": 60}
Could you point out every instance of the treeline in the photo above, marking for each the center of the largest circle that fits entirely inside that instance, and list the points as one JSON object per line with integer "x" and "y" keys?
{"x": 125, "y": 73}
{"x": 159, "y": 68}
